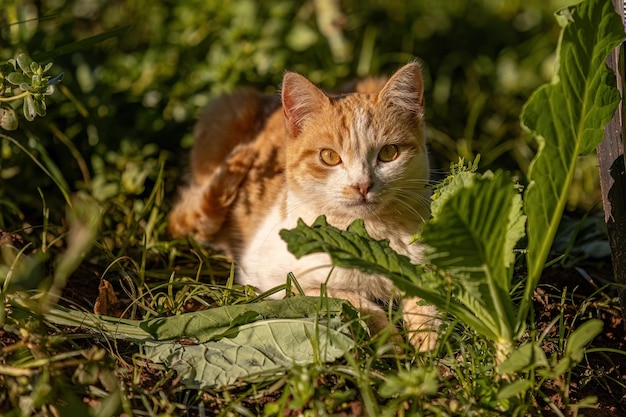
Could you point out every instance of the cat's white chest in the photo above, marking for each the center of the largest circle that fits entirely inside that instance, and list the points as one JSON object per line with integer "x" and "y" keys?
{"x": 265, "y": 261}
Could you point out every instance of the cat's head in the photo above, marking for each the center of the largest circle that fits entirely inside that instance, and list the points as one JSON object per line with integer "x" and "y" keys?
{"x": 358, "y": 155}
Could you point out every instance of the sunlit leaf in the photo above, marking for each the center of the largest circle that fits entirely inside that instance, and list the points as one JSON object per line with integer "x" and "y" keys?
{"x": 472, "y": 239}
{"x": 354, "y": 248}
{"x": 567, "y": 117}
{"x": 217, "y": 346}
{"x": 257, "y": 348}
{"x": 214, "y": 323}
{"x": 581, "y": 337}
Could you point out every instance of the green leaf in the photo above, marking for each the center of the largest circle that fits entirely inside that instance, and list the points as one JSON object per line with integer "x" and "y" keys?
{"x": 526, "y": 357}
{"x": 40, "y": 106}
{"x": 29, "y": 108}
{"x": 215, "y": 323}
{"x": 354, "y": 248}
{"x": 17, "y": 78}
{"x": 25, "y": 62}
{"x": 581, "y": 337}
{"x": 514, "y": 389}
{"x": 575, "y": 347}
{"x": 414, "y": 382}
{"x": 567, "y": 117}
{"x": 257, "y": 349}
{"x": 232, "y": 342}
{"x": 461, "y": 175}
{"x": 472, "y": 239}
{"x": 587, "y": 402}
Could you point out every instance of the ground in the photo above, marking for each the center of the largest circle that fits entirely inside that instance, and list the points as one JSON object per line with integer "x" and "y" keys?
{"x": 565, "y": 298}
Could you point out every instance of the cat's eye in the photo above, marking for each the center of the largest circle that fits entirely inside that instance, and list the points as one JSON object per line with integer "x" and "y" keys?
{"x": 388, "y": 153}
{"x": 330, "y": 157}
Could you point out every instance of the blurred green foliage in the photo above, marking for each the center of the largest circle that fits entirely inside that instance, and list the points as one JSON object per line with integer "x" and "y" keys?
{"x": 132, "y": 98}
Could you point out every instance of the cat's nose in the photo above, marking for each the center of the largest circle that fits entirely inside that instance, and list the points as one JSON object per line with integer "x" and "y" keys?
{"x": 363, "y": 188}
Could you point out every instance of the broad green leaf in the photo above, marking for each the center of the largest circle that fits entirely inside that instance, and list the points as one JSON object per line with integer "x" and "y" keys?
{"x": 461, "y": 175}
{"x": 354, "y": 248}
{"x": 567, "y": 117}
{"x": 472, "y": 239}
{"x": 245, "y": 340}
{"x": 257, "y": 348}
{"x": 203, "y": 326}
{"x": 575, "y": 347}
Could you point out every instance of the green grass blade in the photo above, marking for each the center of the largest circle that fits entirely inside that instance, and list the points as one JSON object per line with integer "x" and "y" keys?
{"x": 567, "y": 117}
{"x": 57, "y": 181}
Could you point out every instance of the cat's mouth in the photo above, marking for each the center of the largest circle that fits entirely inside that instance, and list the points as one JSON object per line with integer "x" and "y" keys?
{"x": 367, "y": 205}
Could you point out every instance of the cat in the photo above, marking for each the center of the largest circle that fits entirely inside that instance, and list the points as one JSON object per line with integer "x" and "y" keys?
{"x": 260, "y": 162}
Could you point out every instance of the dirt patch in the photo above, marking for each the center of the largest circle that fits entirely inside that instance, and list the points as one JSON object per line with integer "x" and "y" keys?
{"x": 580, "y": 296}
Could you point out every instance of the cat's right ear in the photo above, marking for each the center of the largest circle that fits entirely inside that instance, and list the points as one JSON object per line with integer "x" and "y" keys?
{"x": 300, "y": 98}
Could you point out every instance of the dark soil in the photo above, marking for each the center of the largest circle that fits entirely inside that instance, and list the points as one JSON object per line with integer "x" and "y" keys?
{"x": 603, "y": 373}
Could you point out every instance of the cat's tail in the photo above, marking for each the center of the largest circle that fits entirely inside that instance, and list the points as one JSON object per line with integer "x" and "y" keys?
{"x": 222, "y": 155}
{"x": 202, "y": 208}
{"x": 226, "y": 122}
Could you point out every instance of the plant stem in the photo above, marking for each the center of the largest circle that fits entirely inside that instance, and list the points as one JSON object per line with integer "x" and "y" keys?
{"x": 13, "y": 98}
{"x": 503, "y": 350}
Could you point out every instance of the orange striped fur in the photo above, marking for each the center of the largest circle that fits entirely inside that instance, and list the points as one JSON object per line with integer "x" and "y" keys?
{"x": 260, "y": 163}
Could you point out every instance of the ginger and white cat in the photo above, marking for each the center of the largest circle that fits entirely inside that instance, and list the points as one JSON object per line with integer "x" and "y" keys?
{"x": 258, "y": 166}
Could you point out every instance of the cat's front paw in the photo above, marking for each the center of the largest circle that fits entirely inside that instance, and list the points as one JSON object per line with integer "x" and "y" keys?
{"x": 422, "y": 324}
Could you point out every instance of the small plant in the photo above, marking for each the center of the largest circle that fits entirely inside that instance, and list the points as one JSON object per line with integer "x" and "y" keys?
{"x": 24, "y": 79}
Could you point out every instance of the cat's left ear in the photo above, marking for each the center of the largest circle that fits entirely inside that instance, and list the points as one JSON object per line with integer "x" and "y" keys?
{"x": 405, "y": 91}
{"x": 300, "y": 98}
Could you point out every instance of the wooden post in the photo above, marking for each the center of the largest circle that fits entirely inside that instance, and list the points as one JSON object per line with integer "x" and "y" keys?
{"x": 613, "y": 175}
